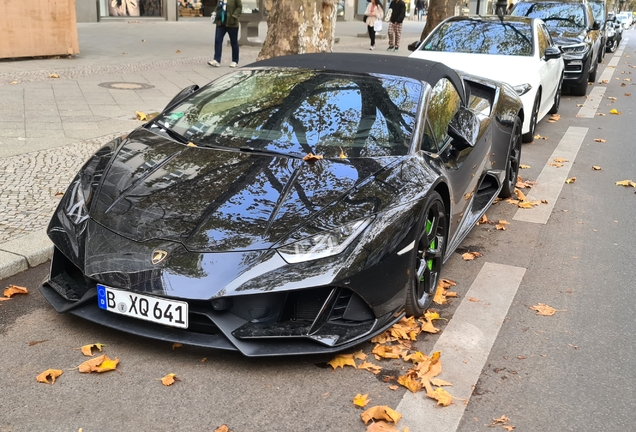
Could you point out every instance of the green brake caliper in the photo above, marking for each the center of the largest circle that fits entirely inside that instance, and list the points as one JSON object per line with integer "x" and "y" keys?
{"x": 429, "y": 263}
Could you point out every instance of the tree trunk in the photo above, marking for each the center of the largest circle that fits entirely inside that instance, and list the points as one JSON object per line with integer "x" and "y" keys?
{"x": 299, "y": 27}
{"x": 438, "y": 11}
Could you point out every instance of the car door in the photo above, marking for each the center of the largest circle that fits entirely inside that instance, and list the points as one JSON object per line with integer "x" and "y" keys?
{"x": 549, "y": 70}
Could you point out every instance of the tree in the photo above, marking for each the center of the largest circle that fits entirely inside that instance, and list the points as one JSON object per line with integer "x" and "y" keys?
{"x": 438, "y": 11}
{"x": 299, "y": 27}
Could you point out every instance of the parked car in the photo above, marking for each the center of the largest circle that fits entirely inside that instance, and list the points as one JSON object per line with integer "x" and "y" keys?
{"x": 312, "y": 212}
{"x": 515, "y": 50}
{"x": 573, "y": 28}
{"x": 626, "y": 19}
{"x": 614, "y": 34}
{"x": 599, "y": 11}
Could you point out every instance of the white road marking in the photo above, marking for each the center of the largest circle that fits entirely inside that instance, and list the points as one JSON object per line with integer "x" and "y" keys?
{"x": 465, "y": 346}
{"x": 552, "y": 179}
{"x": 593, "y": 101}
{"x": 611, "y": 66}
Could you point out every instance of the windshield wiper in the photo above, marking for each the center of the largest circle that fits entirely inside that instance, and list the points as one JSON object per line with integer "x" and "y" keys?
{"x": 247, "y": 149}
{"x": 172, "y": 134}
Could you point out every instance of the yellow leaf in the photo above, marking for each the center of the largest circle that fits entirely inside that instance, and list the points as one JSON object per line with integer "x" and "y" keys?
{"x": 596, "y": 167}
{"x": 222, "y": 428}
{"x": 191, "y": 144}
{"x": 178, "y": 51}
{"x": 451, "y": 294}
{"x": 141, "y": 115}
{"x": 14, "y": 82}
{"x": 502, "y": 225}
{"x": 14, "y": 289}
{"x": 169, "y": 379}
{"x": 560, "y": 160}
{"x": 482, "y": 220}
{"x": 381, "y": 426}
{"x": 342, "y": 154}
{"x": 54, "y": 75}
{"x": 107, "y": 365}
{"x": 440, "y": 382}
{"x": 98, "y": 364}
{"x": 522, "y": 166}
{"x": 373, "y": 368}
{"x": 342, "y": 360}
{"x": 361, "y": 400}
{"x": 417, "y": 357}
{"x": 520, "y": 195}
{"x": 544, "y": 309}
{"x": 626, "y": 183}
{"x": 380, "y": 412}
{"x": 501, "y": 420}
{"x": 615, "y": 111}
{"x": 442, "y": 397}
{"x": 537, "y": 136}
{"x": 176, "y": 345}
{"x": 359, "y": 355}
{"x": 601, "y": 140}
{"x": 528, "y": 204}
{"x": 385, "y": 351}
{"x": 411, "y": 384}
{"x": 428, "y": 327}
{"x": 473, "y": 299}
{"x": 49, "y": 373}
{"x": 469, "y": 256}
{"x": 571, "y": 180}
{"x": 628, "y": 94}
{"x": 439, "y": 297}
{"x": 87, "y": 350}
{"x": 393, "y": 387}
{"x": 554, "y": 164}
{"x": 310, "y": 157}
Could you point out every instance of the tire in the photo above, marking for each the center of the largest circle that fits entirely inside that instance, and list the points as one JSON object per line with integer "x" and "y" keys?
{"x": 592, "y": 75}
{"x": 579, "y": 89}
{"x": 613, "y": 47}
{"x": 529, "y": 137}
{"x": 557, "y": 98}
{"x": 512, "y": 164}
{"x": 427, "y": 256}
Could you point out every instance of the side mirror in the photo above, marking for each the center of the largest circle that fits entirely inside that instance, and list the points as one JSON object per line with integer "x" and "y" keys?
{"x": 596, "y": 25}
{"x": 552, "y": 53}
{"x": 182, "y": 95}
{"x": 464, "y": 128}
{"x": 414, "y": 45}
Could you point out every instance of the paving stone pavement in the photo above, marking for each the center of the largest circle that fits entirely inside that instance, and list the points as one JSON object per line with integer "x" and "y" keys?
{"x": 50, "y": 126}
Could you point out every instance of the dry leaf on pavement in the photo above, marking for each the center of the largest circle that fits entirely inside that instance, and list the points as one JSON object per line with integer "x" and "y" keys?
{"x": 342, "y": 360}
{"x": 615, "y": 111}
{"x": 473, "y": 299}
{"x": 54, "y": 75}
{"x": 410, "y": 383}
{"x": 469, "y": 256}
{"x": 440, "y": 382}
{"x": 544, "y": 309}
{"x": 502, "y": 225}
{"x": 222, "y": 428}
{"x": 87, "y": 350}
{"x": 176, "y": 345}
{"x": 380, "y": 412}
{"x": 522, "y": 166}
{"x": 14, "y": 289}
{"x": 601, "y": 140}
{"x": 571, "y": 180}
{"x": 49, "y": 373}
{"x": 361, "y": 400}
{"x": 98, "y": 364}
{"x": 373, "y": 368}
{"x": 442, "y": 397}
{"x": 626, "y": 183}
{"x": 169, "y": 379}
{"x": 141, "y": 116}
{"x": 596, "y": 167}
{"x": 560, "y": 160}
{"x": 381, "y": 426}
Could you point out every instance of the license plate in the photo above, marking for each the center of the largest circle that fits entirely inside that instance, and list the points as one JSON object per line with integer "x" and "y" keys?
{"x": 168, "y": 312}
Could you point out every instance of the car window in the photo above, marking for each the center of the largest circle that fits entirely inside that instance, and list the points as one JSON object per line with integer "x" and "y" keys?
{"x": 444, "y": 103}
{"x": 302, "y": 111}
{"x": 543, "y": 40}
{"x": 598, "y": 10}
{"x": 555, "y": 15}
{"x": 482, "y": 37}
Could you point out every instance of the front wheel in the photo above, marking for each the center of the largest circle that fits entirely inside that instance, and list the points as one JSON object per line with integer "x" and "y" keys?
{"x": 613, "y": 46}
{"x": 428, "y": 254}
{"x": 557, "y": 98}
{"x": 512, "y": 164}
{"x": 592, "y": 76}
{"x": 579, "y": 89}
{"x": 529, "y": 137}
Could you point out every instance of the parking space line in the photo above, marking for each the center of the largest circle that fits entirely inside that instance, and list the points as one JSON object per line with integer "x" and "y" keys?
{"x": 465, "y": 345}
{"x": 551, "y": 180}
{"x": 592, "y": 102}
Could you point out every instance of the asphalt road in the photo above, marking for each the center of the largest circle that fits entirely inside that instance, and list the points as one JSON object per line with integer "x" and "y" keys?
{"x": 570, "y": 371}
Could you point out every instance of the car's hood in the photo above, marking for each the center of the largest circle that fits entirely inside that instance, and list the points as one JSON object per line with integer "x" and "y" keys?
{"x": 565, "y": 37}
{"x": 216, "y": 200}
{"x": 513, "y": 70}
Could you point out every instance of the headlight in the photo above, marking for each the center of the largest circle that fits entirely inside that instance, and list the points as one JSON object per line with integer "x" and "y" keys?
{"x": 522, "y": 89}
{"x": 575, "y": 49}
{"x": 76, "y": 207}
{"x": 324, "y": 244}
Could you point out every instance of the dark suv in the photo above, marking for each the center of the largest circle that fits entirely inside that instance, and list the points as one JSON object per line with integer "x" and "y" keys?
{"x": 573, "y": 28}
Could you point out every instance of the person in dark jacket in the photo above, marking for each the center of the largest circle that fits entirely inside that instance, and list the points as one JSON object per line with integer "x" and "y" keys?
{"x": 396, "y": 18}
{"x": 227, "y": 21}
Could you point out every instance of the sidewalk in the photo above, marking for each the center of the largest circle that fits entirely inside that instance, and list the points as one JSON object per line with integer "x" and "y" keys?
{"x": 50, "y": 126}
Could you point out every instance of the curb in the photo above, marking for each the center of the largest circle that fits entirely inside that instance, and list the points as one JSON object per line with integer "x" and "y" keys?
{"x": 24, "y": 253}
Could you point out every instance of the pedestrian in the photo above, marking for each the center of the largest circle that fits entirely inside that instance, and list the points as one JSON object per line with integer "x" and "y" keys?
{"x": 227, "y": 21}
{"x": 397, "y": 12}
{"x": 372, "y": 14}
{"x": 421, "y": 7}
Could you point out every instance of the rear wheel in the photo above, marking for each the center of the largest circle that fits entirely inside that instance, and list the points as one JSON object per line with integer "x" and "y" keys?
{"x": 613, "y": 45}
{"x": 528, "y": 137}
{"x": 557, "y": 98}
{"x": 428, "y": 255}
{"x": 512, "y": 164}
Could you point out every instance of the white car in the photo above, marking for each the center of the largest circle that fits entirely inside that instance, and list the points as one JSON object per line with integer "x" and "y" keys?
{"x": 515, "y": 50}
{"x": 626, "y": 19}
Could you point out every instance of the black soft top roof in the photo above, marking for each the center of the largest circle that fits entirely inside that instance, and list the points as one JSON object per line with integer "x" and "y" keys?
{"x": 418, "y": 69}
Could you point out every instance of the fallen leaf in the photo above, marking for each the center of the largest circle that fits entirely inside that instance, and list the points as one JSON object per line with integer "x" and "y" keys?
{"x": 380, "y": 412}
{"x": 14, "y": 82}
{"x": 169, "y": 379}
{"x": 141, "y": 116}
{"x": 596, "y": 167}
{"x": 528, "y": 204}
{"x": 560, "y": 160}
{"x": 359, "y": 355}
{"x": 176, "y": 345}
{"x": 87, "y": 350}
{"x": 615, "y": 111}
{"x": 555, "y": 117}
{"x": 442, "y": 397}
{"x": 571, "y": 180}
{"x": 178, "y": 51}
{"x": 54, "y": 75}
{"x": 537, "y": 136}
{"x": 469, "y": 256}
{"x": 191, "y": 144}
{"x": 98, "y": 364}
{"x": 601, "y": 140}
{"x": 14, "y": 289}
{"x": 626, "y": 183}
{"x": 342, "y": 360}
{"x": 222, "y": 428}
{"x": 502, "y": 225}
{"x": 204, "y": 359}
{"x": 579, "y": 105}
{"x": 394, "y": 387}
{"x": 522, "y": 166}
{"x": 482, "y": 220}
{"x": 373, "y": 368}
{"x": 544, "y": 309}
{"x": 407, "y": 381}
{"x": 391, "y": 352}
{"x": 451, "y": 294}
{"x": 381, "y": 426}
{"x": 522, "y": 357}
{"x": 440, "y": 382}
{"x": 310, "y": 157}
{"x": 33, "y": 342}
{"x": 49, "y": 373}
{"x": 361, "y": 400}
{"x": 473, "y": 299}
{"x": 520, "y": 195}
{"x": 545, "y": 201}
{"x": 603, "y": 81}
{"x": 628, "y": 94}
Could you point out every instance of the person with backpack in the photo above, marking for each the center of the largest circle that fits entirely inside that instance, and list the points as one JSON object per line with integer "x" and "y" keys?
{"x": 227, "y": 22}
{"x": 396, "y": 15}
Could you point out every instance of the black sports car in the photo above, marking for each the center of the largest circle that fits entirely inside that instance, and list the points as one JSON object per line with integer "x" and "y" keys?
{"x": 299, "y": 205}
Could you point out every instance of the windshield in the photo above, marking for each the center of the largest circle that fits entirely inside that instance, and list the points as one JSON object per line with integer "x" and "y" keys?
{"x": 479, "y": 37}
{"x": 570, "y": 16}
{"x": 598, "y": 10}
{"x": 296, "y": 112}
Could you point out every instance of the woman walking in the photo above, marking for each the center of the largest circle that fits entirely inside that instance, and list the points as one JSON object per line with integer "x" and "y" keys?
{"x": 373, "y": 13}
